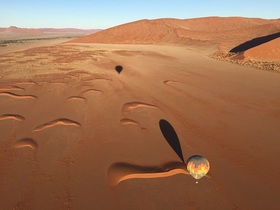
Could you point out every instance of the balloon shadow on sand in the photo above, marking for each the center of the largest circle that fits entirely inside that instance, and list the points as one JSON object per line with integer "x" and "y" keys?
{"x": 171, "y": 137}
{"x": 119, "y": 69}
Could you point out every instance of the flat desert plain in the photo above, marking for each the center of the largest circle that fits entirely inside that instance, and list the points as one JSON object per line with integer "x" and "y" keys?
{"x": 76, "y": 134}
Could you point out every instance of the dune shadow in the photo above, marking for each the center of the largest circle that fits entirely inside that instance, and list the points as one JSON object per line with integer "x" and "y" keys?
{"x": 254, "y": 42}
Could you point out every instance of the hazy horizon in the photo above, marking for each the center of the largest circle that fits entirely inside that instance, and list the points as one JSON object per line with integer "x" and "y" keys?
{"x": 105, "y": 14}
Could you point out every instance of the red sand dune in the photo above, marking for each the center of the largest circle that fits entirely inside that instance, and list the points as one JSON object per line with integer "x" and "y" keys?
{"x": 221, "y": 31}
{"x": 266, "y": 51}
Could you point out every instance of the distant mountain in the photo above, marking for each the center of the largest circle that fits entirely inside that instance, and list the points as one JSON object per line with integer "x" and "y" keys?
{"x": 223, "y": 32}
{"x": 68, "y": 30}
{"x": 14, "y": 29}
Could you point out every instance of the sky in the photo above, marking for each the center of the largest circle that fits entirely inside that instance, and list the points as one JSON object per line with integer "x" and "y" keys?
{"x": 102, "y": 14}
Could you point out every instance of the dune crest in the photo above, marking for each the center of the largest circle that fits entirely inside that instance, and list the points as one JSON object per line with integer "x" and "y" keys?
{"x": 92, "y": 90}
{"x": 10, "y": 87}
{"x": 126, "y": 121}
{"x": 12, "y": 116}
{"x": 134, "y": 105}
{"x": 26, "y": 142}
{"x": 61, "y": 121}
{"x": 74, "y": 98}
{"x": 223, "y": 32}
{"x": 13, "y": 95}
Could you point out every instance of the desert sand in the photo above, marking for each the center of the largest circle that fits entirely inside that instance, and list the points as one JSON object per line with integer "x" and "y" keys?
{"x": 76, "y": 134}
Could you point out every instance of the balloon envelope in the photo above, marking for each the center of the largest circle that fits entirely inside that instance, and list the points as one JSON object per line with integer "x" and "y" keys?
{"x": 198, "y": 166}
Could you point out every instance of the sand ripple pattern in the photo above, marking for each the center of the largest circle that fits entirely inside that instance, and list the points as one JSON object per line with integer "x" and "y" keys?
{"x": 126, "y": 121}
{"x": 12, "y": 116}
{"x": 13, "y": 95}
{"x": 73, "y": 98}
{"x": 134, "y": 105}
{"x": 61, "y": 121}
{"x": 26, "y": 142}
{"x": 11, "y": 87}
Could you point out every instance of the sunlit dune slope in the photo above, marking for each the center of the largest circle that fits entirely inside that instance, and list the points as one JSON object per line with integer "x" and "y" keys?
{"x": 224, "y": 32}
{"x": 266, "y": 51}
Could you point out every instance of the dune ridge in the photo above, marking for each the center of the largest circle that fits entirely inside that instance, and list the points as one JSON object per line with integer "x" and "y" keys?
{"x": 13, "y": 95}
{"x": 12, "y": 116}
{"x": 26, "y": 142}
{"x": 126, "y": 121}
{"x": 61, "y": 121}
{"x": 134, "y": 105}
{"x": 10, "y": 87}
{"x": 221, "y": 31}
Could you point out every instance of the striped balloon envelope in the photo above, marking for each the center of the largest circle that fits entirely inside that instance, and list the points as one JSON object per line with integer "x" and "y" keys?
{"x": 198, "y": 166}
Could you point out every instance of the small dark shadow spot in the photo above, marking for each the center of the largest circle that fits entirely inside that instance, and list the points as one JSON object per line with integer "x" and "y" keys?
{"x": 119, "y": 69}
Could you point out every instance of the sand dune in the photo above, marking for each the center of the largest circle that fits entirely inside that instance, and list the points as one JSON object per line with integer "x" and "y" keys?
{"x": 260, "y": 52}
{"x": 218, "y": 31}
{"x": 266, "y": 51}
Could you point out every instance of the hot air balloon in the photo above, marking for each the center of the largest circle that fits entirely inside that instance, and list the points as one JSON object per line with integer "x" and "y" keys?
{"x": 198, "y": 166}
